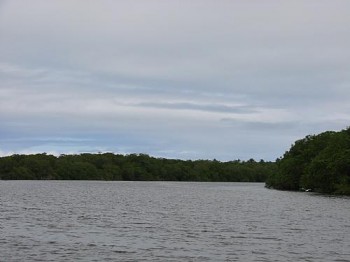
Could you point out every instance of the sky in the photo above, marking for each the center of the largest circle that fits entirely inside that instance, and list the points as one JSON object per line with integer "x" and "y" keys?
{"x": 187, "y": 79}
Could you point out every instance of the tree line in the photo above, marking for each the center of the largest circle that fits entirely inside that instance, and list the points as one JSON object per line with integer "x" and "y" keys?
{"x": 132, "y": 167}
{"x": 317, "y": 162}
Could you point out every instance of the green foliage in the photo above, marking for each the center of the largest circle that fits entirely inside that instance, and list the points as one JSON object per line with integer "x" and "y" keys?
{"x": 140, "y": 167}
{"x": 319, "y": 162}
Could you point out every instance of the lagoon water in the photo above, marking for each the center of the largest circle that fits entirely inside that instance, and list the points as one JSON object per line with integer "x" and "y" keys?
{"x": 169, "y": 221}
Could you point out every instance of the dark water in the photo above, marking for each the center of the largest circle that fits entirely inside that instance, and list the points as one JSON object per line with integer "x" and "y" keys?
{"x": 165, "y": 221}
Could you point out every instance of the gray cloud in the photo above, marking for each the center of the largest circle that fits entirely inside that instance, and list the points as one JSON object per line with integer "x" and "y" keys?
{"x": 201, "y": 107}
{"x": 262, "y": 126}
{"x": 188, "y": 79}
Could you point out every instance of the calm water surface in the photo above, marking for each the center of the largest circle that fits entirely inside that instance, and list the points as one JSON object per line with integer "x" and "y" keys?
{"x": 169, "y": 221}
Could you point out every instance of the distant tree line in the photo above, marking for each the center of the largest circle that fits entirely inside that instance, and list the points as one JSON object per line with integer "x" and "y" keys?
{"x": 318, "y": 162}
{"x": 135, "y": 167}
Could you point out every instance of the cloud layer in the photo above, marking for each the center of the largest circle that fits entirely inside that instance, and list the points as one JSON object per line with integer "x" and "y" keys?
{"x": 184, "y": 79}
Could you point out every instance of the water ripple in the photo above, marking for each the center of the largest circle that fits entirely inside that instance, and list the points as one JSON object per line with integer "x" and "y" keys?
{"x": 160, "y": 221}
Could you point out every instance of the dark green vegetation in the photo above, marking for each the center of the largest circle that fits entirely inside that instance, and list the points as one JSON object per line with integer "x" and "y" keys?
{"x": 318, "y": 162}
{"x": 140, "y": 167}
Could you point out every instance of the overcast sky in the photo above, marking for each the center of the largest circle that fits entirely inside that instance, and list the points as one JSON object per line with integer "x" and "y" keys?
{"x": 191, "y": 79}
